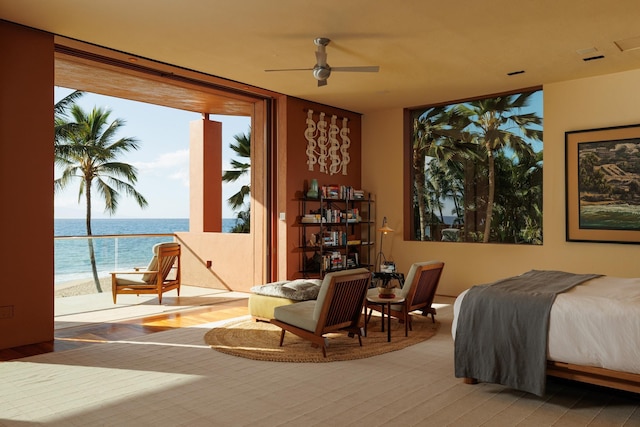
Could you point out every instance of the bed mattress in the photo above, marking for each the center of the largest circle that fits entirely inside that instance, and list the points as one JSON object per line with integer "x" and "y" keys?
{"x": 596, "y": 323}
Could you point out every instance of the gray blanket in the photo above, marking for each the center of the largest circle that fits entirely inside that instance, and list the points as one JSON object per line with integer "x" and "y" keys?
{"x": 502, "y": 331}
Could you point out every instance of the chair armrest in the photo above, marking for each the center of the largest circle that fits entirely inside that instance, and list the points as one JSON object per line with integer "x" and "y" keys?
{"x": 134, "y": 272}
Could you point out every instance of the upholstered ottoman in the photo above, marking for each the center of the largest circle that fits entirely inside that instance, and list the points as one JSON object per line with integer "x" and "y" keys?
{"x": 264, "y": 298}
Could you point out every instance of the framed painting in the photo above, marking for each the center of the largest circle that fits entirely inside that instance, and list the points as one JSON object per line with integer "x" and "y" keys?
{"x": 603, "y": 184}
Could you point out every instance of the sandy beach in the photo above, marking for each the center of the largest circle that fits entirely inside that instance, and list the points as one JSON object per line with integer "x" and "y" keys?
{"x": 81, "y": 287}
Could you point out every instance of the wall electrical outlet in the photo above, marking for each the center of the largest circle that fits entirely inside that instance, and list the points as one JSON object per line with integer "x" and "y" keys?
{"x": 6, "y": 312}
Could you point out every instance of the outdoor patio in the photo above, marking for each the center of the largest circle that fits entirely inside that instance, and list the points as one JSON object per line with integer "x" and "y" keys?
{"x": 74, "y": 311}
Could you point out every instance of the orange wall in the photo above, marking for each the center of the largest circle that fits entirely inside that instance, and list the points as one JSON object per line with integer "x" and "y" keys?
{"x": 205, "y": 175}
{"x": 26, "y": 169}
{"x": 601, "y": 101}
{"x": 26, "y": 122}
{"x": 297, "y": 171}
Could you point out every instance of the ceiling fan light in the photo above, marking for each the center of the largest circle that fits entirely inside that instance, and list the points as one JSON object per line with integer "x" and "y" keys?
{"x": 321, "y": 73}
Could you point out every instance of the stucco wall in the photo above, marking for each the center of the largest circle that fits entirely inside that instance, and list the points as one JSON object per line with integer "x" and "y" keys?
{"x": 26, "y": 185}
{"x": 602, "y": 101}
{"x": 296, "y": 172}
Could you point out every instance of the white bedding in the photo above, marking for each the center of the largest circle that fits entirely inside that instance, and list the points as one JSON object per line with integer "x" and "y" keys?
{"x": 596, "y": 323}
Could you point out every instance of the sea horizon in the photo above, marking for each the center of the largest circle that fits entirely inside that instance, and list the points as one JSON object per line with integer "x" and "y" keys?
{"x": 71, "y": 250}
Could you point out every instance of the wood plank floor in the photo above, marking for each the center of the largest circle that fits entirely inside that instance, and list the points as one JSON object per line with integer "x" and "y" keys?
{"x": 70, "y": 338}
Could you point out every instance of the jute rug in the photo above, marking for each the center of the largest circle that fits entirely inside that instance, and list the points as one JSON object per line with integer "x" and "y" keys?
{"x": 260, "y": 341}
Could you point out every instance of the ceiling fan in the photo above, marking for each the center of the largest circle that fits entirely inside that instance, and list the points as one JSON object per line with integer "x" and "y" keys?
{"x": 322, "y": 70}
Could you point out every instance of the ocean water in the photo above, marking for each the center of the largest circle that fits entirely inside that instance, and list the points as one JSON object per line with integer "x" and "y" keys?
{"x": 71, "y": 255}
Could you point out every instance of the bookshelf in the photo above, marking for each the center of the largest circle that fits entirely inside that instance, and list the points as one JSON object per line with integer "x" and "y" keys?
{"x": 336, "y": 231}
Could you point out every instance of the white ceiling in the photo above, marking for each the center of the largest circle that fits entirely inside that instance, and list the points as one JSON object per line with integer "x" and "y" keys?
{"x": 428, "y": 51}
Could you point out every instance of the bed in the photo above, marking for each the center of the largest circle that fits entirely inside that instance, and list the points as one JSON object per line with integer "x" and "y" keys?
{"x": 593, "y": 335}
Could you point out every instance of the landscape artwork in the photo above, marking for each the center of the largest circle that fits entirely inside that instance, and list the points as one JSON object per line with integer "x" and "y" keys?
{"x": 603, "y": 185}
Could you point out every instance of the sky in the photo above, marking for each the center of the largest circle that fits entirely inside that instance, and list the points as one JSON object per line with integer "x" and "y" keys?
{"x": 162, "y": 159}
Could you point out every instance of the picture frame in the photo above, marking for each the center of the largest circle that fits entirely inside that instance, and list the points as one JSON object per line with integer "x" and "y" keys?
{"x": 602, "y": 185}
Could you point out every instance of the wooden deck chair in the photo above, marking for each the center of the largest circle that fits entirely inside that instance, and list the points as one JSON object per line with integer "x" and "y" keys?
{"x": 157, "y": 278}
{"x": 338, "y": 308}
{"x": 418, "y": 291}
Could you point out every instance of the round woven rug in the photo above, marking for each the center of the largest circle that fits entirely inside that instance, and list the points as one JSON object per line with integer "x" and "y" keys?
{"x": 260, "y": 341}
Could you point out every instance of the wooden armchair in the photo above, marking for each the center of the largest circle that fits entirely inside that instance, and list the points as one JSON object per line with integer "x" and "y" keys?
{"x": 338, "y": 308}
{"x": 418, "y": 291}
{"x": 156, "y": 278}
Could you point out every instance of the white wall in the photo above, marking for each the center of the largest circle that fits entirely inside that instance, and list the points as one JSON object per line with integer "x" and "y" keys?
{"x": 596, "y": 102}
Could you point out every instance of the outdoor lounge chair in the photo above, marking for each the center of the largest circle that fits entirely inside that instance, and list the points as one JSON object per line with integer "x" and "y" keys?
{"x": 418, "y": 292}
{"x": 157, "y": 278}
{"x": 337, "y": 308}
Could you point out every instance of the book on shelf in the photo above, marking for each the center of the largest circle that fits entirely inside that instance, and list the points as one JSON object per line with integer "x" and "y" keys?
{"x": 342, "y": 192}
{"x": 312, "y": 219}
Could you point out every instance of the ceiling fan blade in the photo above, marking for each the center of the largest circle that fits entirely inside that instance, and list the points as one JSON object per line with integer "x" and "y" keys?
{"x": 322, "y": 83}
{"x": 363, "y": 69}
{"x": 290, "y": 69}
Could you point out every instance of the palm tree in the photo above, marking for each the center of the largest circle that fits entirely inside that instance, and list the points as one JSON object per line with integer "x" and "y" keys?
{"x": 86, "y": 150}
{"x": 62, "y": 126}
{"x": 438, "y": 133}
{"x": 494, "y": 119}
{"x": 242, "y": 147}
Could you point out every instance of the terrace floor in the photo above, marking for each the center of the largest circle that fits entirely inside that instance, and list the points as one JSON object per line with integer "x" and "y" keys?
{"x": 94, "y": 318}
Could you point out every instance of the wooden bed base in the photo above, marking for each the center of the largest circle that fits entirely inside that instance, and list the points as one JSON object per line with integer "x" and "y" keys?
{"x": 598, "y": 376}
{"x": 589, "y": 374}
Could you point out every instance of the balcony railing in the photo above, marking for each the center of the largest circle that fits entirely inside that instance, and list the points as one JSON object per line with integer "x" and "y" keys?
{"x": 112, "y": 252}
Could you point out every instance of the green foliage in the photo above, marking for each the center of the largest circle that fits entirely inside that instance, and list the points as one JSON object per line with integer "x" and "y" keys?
{"x": 86, "y": 148}
{"x": 242, "y": 148}
{"x": 591, "y": 178}
{"x": 479, "y": 157}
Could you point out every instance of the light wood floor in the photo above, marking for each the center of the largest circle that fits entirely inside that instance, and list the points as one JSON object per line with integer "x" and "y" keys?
{"x": 70, "y": 338}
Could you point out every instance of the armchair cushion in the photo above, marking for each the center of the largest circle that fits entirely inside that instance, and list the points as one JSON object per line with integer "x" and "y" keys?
{"x": 299, "y": 314}
{"x": 298, "y": 290}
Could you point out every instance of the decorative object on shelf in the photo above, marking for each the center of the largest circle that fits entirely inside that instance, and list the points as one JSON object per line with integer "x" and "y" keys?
{"x": 381, "y": 260}
{"x": 313, "y": 189}
{"x": 339, "y": 229}
{"x": 324, "y": 148}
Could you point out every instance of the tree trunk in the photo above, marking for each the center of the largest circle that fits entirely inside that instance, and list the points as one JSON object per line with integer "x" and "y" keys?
{"x": 419, "y": 179}
{"x": 92, "y": 255}
{"x": 492, "y": 189}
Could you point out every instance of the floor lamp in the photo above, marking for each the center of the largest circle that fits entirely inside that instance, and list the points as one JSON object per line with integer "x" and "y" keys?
{"x": 383, "y": 230}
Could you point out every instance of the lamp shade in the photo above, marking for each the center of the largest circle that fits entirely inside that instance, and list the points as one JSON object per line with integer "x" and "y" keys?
{"x": 385, "y": 228}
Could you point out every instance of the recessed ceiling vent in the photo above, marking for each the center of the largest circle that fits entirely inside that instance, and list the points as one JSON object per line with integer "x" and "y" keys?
{"x": 587, "y": 51}
{"x": 593, "y": 58}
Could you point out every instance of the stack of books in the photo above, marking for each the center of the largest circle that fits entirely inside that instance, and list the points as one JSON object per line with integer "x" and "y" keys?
{"x": 311, "y": 218}
{"x": 342, "y": 192}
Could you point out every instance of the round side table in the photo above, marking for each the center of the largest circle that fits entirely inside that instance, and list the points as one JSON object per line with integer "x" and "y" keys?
{"x": 374, "y": 298}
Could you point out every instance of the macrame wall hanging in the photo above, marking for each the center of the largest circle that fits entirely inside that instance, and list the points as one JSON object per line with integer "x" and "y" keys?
{"x": 324, "y": 148}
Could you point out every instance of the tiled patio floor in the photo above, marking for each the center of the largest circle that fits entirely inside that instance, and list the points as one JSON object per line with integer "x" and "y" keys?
{"x": 95, "y": 308}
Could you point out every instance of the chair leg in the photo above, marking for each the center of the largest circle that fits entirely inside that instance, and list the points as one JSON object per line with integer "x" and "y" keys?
{"x": 407, "y": 320}
{"x": 281, "y": 337}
